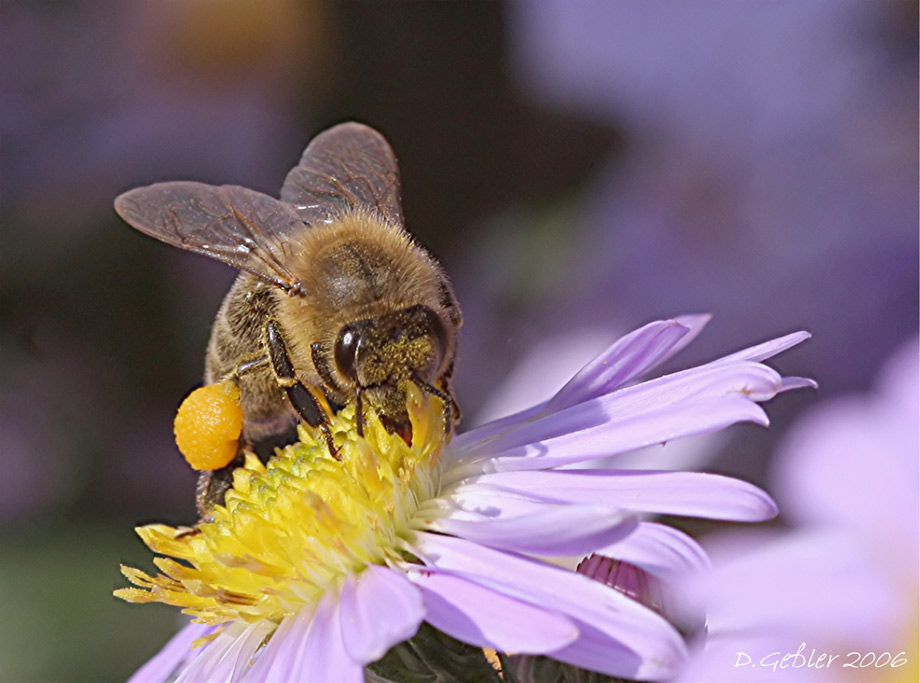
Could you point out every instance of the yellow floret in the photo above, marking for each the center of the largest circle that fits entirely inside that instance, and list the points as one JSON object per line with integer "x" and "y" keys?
{"x": 295, "y": 527}
{"x": 208, "y": 426}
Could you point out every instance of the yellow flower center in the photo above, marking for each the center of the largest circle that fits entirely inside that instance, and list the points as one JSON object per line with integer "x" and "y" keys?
{"x": 292, "y": 529}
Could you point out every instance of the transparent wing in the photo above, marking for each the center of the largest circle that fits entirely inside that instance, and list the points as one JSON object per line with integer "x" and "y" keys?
{"x": 345, "y": 168}
{"x": 243, "y": 228}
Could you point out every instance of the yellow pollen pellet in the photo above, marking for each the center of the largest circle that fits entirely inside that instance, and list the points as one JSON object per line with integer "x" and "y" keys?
{"x": 208, "y": 426}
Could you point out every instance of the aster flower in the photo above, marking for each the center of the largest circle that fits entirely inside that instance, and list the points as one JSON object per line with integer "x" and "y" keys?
{"x": 315, "y": 567}
{"x": 834, "y": 596}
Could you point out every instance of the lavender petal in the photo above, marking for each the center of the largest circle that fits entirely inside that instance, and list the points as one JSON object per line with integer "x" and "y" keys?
{"x": 227, "y": 656}
{"x": 603, "y": 652}
{"x": 164, "y": 664}
{"x": 623, "y": 361}
{"x": 694, "y": 322}
{"x": 480, "y": 500}
{"x": 691, "y": 494}
{"x": 660, "y": 550}
{"x": 753, "y": 381}
{"x": 325, "y": 657}
{"x": 670, "y": 423}
{"x": 308, "y": 647}
{"x": 552, "y": 532}
{"x": 650, "y": 646}
{"x": 766, "y": 350}
{"x": 379, "y": 608}
{"x": 278, "y": 659}
{"x": 790, "y": 383}
{"x": 484, "y": 617}
{"x": 619, "y": 364}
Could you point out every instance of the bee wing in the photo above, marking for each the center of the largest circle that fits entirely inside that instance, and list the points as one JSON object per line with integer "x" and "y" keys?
{"x": 243, "y": 228}
{"x": 345, "y": 168}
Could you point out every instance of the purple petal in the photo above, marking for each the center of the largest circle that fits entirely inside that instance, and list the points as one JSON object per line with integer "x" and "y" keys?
{"x": 756, "y": 381}
{"x": 790, "y": 383}
{"x": 553, "y": 531}
{"x": 766, "y": 350}
{"x": 623, "y": 361}
{"x": 694, "y": 323}
{"x": 600, "y": 651}
{"x": 483, "y": 617}
{"x": 616, "y": 354}
{"x": 227, "y": 657}
{"x": 529, "y": 427}
{"x": 379, "y": 608}
{"x": 278, "y": 658}
{"x": 495, "y": 427}
{"x": 650, "y": 646}
{"x": 690, "y": 494}
{"x": 325, "y": 657}
{"x": 671, "y": 422}
{"x": 660, "y": 550}
{"x": 620, "y": 363}
{"x": 164, "y": 664}
{"x": 482, "y": 500}
{"x": 308, "y": 647}
{"x": 753, "y": 381}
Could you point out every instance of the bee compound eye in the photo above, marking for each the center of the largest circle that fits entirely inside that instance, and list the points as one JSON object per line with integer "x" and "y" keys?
{"x": 346, "y": 352}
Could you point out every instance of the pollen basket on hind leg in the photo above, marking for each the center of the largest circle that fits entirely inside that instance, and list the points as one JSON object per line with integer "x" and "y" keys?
{"x": 208, "y": 426}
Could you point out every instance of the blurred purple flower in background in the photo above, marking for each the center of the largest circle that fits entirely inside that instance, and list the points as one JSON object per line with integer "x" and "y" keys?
{"x": 844, "y": 580}
{"x": 769, "y": 174}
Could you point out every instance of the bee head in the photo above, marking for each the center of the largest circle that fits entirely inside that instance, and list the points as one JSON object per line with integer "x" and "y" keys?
{"x": 378, "y": 356}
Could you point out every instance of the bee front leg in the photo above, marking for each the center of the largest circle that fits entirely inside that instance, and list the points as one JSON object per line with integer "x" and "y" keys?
{"x": 300, "y": 397}
{"x": 451, "y": 411}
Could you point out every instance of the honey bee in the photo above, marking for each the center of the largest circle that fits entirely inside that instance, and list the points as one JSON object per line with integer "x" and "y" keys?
{"x": 335, "y": 305}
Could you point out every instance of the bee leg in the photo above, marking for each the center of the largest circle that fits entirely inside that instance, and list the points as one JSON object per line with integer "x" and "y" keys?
{"x": 445, "y": 382}
{"x": 307, "y": 407}
{"x": 318, "y": 353}
{"x": 331, "y": 389}
{"x": 318, "y": 356}
{"x": 246, "y": 367}
{"x": 212, "y": 487}
{"x": 359, "y": 410}
{"x": 300, "y": 397}
{"x": 450, "y": 410}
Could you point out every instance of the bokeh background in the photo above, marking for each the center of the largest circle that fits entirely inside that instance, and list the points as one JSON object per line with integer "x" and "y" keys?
{"x": 580, "y": 168}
